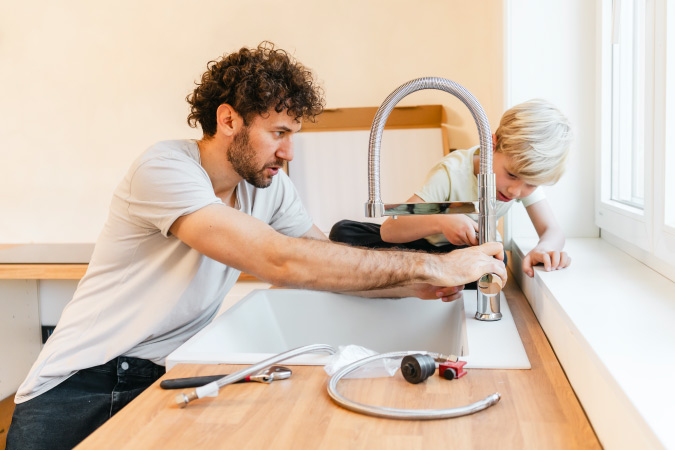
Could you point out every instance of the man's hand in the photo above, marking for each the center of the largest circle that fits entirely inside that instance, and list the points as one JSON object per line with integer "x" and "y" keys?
{"x": 460, "y": 229}
{"x": 552, "y": 260}
{"x": 469, "y": 264}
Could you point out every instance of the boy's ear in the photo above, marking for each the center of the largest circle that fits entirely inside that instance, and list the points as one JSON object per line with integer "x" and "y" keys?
{"x": 228, "y": 120}
{"x": 494, "y": 142}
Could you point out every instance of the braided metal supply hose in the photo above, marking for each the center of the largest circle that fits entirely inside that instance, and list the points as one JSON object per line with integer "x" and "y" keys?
{"x": 211, "y": 389}
{"x": 394, "y": 413}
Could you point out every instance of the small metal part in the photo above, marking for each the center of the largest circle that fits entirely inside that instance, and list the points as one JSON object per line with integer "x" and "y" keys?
{"x": 488, "y": 308}
{"x": 452, "y": 370}
{"x": 183, "y": 399}
{"x": 449, "y": 374}
{"x": 278, "y": 372}
{"x": 490, "y": 284}
{"x": 270, "y": 374}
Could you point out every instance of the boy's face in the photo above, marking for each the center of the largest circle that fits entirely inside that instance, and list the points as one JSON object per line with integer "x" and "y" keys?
{"x": 509, "y": 185}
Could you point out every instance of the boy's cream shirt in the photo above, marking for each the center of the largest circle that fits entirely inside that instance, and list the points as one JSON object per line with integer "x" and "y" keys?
{"x": 453, "y": 180}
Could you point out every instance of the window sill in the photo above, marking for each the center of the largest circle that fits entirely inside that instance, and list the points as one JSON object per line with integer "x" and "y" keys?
{"x": 611, "y": 322}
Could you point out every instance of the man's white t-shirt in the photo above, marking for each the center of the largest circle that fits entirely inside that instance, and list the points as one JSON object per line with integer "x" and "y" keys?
{"x": 453, "y": 180}
{"x": 145, "y": 292}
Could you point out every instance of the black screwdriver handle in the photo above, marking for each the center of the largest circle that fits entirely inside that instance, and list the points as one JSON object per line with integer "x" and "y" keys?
{"x": 181, "y": 383}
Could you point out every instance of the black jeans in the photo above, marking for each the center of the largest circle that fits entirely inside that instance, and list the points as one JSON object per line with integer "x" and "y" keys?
{"x": 66, "y": 414}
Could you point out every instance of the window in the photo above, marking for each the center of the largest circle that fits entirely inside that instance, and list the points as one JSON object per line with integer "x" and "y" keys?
{"x": 669, "y": 163}
{"x": 635, "y": 208}
{"x": 628, "y": 102}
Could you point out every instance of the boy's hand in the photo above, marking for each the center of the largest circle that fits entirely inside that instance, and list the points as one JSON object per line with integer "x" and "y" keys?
{"x": 552, "y": 260}
{"x": 460, "y": 229}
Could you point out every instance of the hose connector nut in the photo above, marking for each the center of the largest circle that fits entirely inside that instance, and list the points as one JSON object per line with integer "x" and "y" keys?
{"x": 417, "y": 368}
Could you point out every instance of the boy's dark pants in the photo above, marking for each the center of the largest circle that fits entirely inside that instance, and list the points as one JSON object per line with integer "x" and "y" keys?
{"x": 66, "y": 414}
{"x": 364, "y": 234}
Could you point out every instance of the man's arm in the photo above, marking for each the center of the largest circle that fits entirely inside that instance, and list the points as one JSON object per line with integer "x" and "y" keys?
{"x": 548, "y": 250}
{"x": 422, "y": 290}
{"x": 243, "y": 242}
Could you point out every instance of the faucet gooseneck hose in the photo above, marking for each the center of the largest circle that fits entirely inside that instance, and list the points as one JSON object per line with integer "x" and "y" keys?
{"x": 489, "y": 284}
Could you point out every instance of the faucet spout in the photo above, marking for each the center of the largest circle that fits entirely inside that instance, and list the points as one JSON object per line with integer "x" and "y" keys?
{"x": 488, "y": 302}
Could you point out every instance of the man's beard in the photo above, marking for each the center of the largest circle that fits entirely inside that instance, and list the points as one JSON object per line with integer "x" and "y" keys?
{"x": 242, "y": 157}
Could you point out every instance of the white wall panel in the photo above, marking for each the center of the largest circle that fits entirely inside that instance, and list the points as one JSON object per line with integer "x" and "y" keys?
{"x": 330, "y": 170}
{"x": 20, "y": 335}
{"x": 550, "y": 54}
{"x": 86, "y": 86}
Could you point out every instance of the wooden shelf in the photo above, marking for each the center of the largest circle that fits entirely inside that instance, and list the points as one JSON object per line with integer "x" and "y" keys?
{"x": 59, "y": 272}
{"x": 42, "y": 271}
{"x": 401, "y": 117}
{"x": 349, "y": 119}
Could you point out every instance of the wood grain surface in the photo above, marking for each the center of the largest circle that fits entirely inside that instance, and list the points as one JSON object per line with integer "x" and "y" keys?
{"x": 60, "y": 272}
{"x": 538, "y": 409}
{"x": 42, "y": 271}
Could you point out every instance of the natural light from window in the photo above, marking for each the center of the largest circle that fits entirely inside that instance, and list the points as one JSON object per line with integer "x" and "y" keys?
{"x": 628, "y": 103}
{"x": 669, "y": 213}
{"x": 635, "y": 207}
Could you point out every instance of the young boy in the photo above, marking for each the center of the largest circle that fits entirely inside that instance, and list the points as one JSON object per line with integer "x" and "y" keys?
{"x": 530, "y": 148}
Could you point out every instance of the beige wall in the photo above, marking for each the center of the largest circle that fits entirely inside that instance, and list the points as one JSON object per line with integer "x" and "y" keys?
{"x": 84, "y": 87}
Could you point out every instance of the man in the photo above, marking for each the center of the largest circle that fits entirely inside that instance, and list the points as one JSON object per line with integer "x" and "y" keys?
{"x": 187, "y": 218}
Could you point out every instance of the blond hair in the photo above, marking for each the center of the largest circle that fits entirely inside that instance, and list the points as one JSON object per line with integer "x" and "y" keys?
{"x": 537, "y": 137}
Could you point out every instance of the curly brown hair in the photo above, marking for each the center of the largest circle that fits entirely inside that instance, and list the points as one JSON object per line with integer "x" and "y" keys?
{"x": 252, "y": 81}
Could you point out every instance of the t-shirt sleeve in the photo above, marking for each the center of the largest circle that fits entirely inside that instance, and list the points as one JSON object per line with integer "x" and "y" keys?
{"x": 534, "y": 197}
{"x": 436, "y": 187}
{"x": 290, "y": 216}
{"x": 162, "y": 189}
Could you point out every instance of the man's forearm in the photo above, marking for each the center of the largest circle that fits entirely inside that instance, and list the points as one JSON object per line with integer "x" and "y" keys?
{"x": 324, "y": 265}
{"x": 238, "y": 240}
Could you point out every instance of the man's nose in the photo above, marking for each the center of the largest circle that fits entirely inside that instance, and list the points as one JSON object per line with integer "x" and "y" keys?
{"x": 285, "y": 150}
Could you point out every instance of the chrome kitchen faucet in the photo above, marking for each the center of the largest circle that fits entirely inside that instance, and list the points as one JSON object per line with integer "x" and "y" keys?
{"x": 489, "y": 284}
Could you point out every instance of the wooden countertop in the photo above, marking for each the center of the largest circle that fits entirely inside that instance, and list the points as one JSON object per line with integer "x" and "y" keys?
{"x": 44, "y": 261}
{"x": 538, "y": 409}
{"x": 67, "y": 261}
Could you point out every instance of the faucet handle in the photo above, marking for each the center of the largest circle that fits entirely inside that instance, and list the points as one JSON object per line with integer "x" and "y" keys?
{"x": 490, "y": 284}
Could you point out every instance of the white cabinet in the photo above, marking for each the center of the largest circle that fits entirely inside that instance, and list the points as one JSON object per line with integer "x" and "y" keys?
{"x": 20, "y": 332}
{"x": 330, "y": 170}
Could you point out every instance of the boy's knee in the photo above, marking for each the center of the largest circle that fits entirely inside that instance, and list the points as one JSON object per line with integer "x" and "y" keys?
{"x": 342, "y": 231}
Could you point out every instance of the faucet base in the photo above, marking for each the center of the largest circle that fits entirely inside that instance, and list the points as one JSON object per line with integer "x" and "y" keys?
{"x": 488, "y": 317}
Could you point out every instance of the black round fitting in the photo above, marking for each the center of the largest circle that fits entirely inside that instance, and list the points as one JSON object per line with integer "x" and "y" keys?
{"x": 449, "y": 374}
{"x": 417, "y": 368}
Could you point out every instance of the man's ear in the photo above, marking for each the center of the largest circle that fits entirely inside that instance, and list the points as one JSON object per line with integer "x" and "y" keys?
{"x": 228, "y": 120}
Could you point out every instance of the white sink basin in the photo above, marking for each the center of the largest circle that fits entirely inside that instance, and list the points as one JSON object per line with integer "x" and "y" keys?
{"x": 271, "y": 321}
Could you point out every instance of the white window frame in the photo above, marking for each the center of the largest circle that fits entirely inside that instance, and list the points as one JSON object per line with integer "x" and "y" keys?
{"x": 644, "y": 234}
